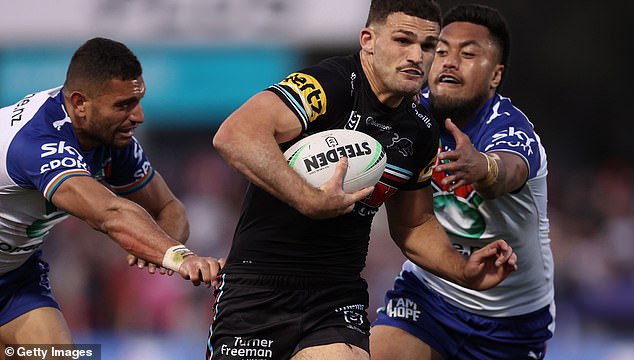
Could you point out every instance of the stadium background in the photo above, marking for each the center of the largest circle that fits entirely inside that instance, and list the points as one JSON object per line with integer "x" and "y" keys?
{"x": 202, "y": 59}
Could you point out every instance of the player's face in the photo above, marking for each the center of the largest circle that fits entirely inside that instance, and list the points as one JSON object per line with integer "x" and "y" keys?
{"x": 466, "y": 69}
{"x": 402, "y": 54}
{"x": 113, "y": 115}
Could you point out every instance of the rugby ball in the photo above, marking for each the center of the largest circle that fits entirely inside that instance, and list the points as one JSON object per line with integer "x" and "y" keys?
{"x": 315, "y": 158}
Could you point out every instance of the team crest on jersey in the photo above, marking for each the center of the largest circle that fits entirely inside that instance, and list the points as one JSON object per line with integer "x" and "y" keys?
{"x": 310, "y": 91}
{"x": 404, "y": 145}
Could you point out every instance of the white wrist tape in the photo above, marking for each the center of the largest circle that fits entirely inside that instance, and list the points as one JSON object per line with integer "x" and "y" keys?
{"x": 174, "y": 257}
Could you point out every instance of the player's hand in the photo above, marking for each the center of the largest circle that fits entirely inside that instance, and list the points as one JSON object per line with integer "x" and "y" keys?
{"x": 465, "y": 165}
{"x": 331, "y": 200}
{"x": 151, "y": 267}
{"x": 199, "y": 269}
{"x": 487, "y": 267}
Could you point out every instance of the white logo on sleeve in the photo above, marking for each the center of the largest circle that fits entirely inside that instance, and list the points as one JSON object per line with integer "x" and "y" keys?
{"x": 74, "y": 160}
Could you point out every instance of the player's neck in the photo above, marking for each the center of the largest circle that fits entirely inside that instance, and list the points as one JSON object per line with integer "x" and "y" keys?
{"x": 386, "y": 97}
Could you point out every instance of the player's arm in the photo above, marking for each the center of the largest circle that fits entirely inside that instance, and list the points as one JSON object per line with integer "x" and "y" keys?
{"x": 493, "y": 174}
{"x": 422, "y": 239}
{"x": 131, "y": 226}
{"x": 159, "y": 201}
{"x": 249, "y": 141}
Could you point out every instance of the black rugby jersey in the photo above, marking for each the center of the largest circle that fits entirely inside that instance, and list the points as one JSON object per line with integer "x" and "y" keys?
{"x": 274, "y": 238}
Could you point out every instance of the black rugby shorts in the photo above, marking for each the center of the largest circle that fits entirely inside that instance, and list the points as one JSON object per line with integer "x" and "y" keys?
{"x": 274, "y": 317}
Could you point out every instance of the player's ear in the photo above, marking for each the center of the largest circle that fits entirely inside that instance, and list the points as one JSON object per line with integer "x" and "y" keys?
{"x": 496, "y": 79}
{"x": 366, "y": 39}
{"x": 78, "y": 103}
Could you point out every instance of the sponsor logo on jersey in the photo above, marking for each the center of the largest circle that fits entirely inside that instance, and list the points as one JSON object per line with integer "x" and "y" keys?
{"x": 320, "y": 160}
{"x": 250, "y": 348}
{"x": 402, "y": 308}
{"x": 369, "y": 121}
{"x": 513, "y": 138}
{"x": 422, "y": 116}
{"x": 18, "y": 110}
{"x": 353, "y": 77}
{"x": 8, "y": 248}
{"x": 310, "y": 92}
{"x": 75, "y": 160}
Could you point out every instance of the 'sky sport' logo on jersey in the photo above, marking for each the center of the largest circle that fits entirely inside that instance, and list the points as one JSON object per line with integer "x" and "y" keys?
{"x": 75, "y": 160}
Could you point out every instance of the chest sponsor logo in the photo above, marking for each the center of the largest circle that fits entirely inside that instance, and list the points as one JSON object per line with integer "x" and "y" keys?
{"x": 402, "y": 308}
{"x": 71, "y": 159}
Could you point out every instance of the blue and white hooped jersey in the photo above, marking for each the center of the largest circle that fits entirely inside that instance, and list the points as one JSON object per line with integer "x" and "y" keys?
{"x": 39, "y": 151}
{"x": 520, "y": 218}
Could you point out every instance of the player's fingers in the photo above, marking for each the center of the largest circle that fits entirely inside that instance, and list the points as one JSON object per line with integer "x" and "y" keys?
{"x": 140, "y": 263}
{"x": 460, "y": 137}
{"x": 340, "y": 170}
{"x": 207, "y": 272}
{"x": 221, "y": 263}
{"x": 151, "y": 268}
{"x": 131, "y": 259}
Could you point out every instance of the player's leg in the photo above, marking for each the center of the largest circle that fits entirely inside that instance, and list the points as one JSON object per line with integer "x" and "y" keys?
{"x": 332, "y": 351}
{"x": 388, "y": 341}
{"x": 45, "y": 325}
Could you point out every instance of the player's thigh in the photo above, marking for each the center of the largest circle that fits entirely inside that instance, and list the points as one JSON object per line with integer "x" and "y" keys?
{"x": 44, "y": 325}
{"x": 389, "y": 343}
{"x": 340, "y": 351}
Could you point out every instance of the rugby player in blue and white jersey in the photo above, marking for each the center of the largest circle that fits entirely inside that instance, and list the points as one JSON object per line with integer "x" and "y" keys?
{"x": 71, "y": 150}
{"x": 490, "y": 184}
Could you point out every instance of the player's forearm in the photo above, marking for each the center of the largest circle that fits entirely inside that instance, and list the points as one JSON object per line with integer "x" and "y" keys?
{"x": 427, "y": 246}
{"x": 173, "y": 220}
{"x": 135, "y": 231}
{"x": 505, "y": 173}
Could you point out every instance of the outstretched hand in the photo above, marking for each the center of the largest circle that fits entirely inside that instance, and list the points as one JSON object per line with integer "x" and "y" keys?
{"x": 195, "y": 268}
{"x": 465, "y": 165}
{"x": 199, "y": 269}
{"x": 487, "y": 267}
{"x": 151, "y": 267}
{"x": 331, "y": 200}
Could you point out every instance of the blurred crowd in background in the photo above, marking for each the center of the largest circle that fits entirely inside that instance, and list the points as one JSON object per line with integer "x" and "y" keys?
{"x": 568, "y": 73}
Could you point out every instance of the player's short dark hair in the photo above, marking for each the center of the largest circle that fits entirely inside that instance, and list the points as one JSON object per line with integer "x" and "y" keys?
{"x": 100, "y": 60}
{"x": 485, "y": 16}
{"x": 424, "y": 9}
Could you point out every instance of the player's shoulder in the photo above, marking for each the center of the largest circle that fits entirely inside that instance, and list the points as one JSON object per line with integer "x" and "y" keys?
{"x": 39, "y": 121}
{"x": 503, "y": 106}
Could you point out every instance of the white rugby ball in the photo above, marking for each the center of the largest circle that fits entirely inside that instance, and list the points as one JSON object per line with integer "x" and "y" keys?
{"x": 315, "y": 158}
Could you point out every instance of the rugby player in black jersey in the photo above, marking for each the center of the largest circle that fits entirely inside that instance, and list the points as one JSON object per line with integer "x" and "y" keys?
{"x": 291, "y": 286}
